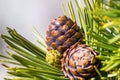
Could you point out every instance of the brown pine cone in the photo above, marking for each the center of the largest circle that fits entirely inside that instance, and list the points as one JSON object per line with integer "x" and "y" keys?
{"x": 62, "y": 33}
{"x": 78, "y": 62}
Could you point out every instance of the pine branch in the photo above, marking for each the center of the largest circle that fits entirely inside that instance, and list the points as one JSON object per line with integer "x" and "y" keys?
{"x": 29, "y": 56}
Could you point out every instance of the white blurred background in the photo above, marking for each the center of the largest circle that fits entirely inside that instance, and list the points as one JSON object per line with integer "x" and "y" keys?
{"x": 23, "y": 15}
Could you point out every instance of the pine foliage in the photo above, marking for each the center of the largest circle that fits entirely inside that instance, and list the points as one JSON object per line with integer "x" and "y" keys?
{"x": 99, "y": 20}
{"x": 29, "y": 59}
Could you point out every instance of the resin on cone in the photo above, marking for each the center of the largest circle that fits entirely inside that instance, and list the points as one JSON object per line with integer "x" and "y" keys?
{"x": 78, "y": 62}
{"x": 62, "y": 33}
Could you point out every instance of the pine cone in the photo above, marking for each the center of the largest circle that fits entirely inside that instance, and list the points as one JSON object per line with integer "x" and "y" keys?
{"x": 62, "y": 33}
{"x": 78, "y": 62}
